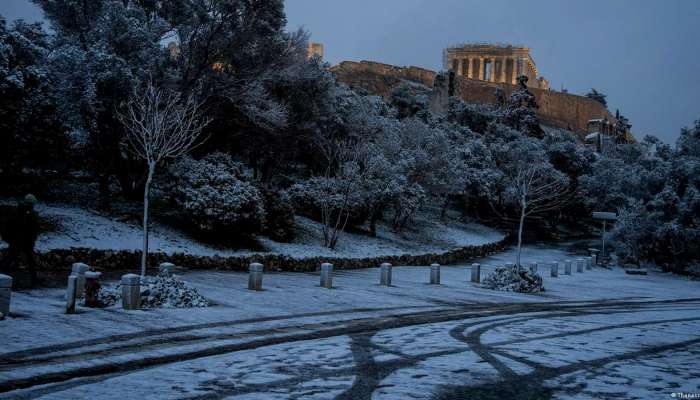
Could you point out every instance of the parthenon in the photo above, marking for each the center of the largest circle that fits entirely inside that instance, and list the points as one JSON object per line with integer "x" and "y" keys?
{"x": 494, "y": 63}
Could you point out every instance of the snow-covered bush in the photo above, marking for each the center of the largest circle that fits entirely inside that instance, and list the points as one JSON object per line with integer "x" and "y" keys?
{"x": 311, "y": 196}
{"x": 514, "y": 279}
{"x": 214, "y": 197}
{"x": 279, "y": 215}
{"x": 168, "y": 292}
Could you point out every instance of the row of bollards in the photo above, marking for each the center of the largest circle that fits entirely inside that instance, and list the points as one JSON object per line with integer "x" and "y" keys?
{"x": 580, "y": 263}
{"x": 83, "y": 283}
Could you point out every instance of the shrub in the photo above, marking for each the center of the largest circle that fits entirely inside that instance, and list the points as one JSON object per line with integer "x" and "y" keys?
{"x": 309, "y": 198}
{"x": 279, "y": 216}
{"x": 213, "y": 196}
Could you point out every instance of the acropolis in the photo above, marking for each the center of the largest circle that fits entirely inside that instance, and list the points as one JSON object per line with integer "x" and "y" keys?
{"x": 494, "y": 63}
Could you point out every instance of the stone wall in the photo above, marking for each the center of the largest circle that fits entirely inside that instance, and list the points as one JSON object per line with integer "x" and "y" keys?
{"x": 557, "y": 109}
{"x": 107, "y": 260}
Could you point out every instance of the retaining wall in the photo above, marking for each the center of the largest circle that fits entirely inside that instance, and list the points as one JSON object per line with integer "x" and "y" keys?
{"x": 107, "y": 260}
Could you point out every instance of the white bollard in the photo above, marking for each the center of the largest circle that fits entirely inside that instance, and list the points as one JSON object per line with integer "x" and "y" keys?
{"x": 579, "y": 265}
{"x": 385, "y": 274}
{"x": 327, "y": 275}
{"x": 165, "y": 269}
{"x": 554, "y": 273}
{"x": 589, "y": 263}
{"x": 434, "y": 274}
{"x": 71, "y": 291}
{"x": 567, "y": 267}
{"x": 131, "y": 292}
{"x": 5, "y": 294}
{"x": 255, "y": 276}
{"x": 79, "y": 270}
{"x": 476, "y": 273}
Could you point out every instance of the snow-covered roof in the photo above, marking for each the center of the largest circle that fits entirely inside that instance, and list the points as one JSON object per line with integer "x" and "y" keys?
{"x": 592, "y": 135}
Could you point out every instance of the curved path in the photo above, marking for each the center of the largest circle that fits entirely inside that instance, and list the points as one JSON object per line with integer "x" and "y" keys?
{"x": 454, "y": 341}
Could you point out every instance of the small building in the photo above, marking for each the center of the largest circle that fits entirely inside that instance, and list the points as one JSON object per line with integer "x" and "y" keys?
{"x": 603, "y": 132}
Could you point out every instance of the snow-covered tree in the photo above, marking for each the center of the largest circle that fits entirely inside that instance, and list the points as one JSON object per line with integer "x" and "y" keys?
{"x": 159, "y": 126}
{"x": 520, "y": 110}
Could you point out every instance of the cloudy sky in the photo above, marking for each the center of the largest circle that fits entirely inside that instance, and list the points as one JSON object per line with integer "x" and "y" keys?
{"x": 642, "y": 53}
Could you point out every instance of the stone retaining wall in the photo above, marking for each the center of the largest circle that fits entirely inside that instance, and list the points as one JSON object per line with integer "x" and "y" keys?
{"x": 108, "y": 260}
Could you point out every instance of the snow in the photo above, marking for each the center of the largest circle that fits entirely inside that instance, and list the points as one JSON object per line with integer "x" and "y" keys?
{"x": 90, "y": 229}
{"x": 419, "y": 359}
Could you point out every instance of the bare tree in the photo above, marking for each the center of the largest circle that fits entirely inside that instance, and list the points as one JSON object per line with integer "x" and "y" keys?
{"x": 536, "y": 188}
{"x": 159, "y": 125}
{"x": 345, "y": 170}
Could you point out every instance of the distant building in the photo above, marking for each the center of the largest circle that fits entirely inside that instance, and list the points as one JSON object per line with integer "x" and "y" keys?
{"x": 604, "y": 132}
{"x": 315, "y": 50}
{"x": 494, "y": 63}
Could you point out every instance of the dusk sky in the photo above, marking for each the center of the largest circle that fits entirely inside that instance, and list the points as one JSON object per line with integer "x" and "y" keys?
{"x": 642, "y": 53}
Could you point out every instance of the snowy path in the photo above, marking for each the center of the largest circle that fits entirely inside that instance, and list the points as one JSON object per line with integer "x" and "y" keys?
{"x": 591, "y": 335}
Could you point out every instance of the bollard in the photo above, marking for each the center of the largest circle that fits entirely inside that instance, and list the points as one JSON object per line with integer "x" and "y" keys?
{"x": 79, "y": 270}
{"x": 533, "y": 267}
{"x": 385, "y": 274}
{"x": 579, "y": 265}
{"x": 71, "y": 292}
{"x": 554, "y": 269}
{"x": 131, "y": 292}
{"x": 5, "y": 294}
{"x": 92, "y": 289}
{"x": 589, "y": 263}
{"x": 594, "y": 253}
{"x": 434, "y": 274}
{"x": 255, "y": 276}
{"x": 327, "y": 275}
{"x": 567, "y": 267}
{"x": 476, "y": 273}
{"x": 165, "y": 269}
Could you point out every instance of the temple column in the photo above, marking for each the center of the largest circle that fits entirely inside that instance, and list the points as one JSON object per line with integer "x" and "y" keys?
{"x": 514, "y": 72}
{"x": 469, "y": 67}
{"x": 459, "y": 67}
{"x": 492, "y": 78}
{"x": 504, "y": 64}
{"x": 482, "y": 69}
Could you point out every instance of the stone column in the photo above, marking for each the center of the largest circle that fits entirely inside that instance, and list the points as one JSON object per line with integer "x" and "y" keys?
{"x": 482, "y": 70}
{"x": 567, "y": 267}
{"x": 514, "y": 72}
{"x": 554, "y": 273}
{"x": 471, "y": 67}
{"x": 92, "y": 289}
{"x": 255, "y": 276}
{"x": 71, "y": 291}
{"x": 579, "y": 265}
{"x": 504, "y": 64}
{"x": 131, "y": 292}
{"x": 476, "y": 273}
{"x": 434, "y": 274}
{"x": 5, "y": 294}
{"x": 385, "y": 274}
{"x": 589, "y": 263}
{"x": 327, "y": 275}
{"x": 492, "y": 78}
{"x": 79, "y": 270}
{"x": 594, "y": 254}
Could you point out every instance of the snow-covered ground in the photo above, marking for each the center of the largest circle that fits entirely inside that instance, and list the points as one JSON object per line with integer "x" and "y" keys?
{"x": 80, "y": 227}
{"x": 597, "y": 334}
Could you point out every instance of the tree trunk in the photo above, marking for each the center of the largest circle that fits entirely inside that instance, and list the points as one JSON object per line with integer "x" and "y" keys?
{"x": 520, "y": 235}
{"x": 146, "y": 193}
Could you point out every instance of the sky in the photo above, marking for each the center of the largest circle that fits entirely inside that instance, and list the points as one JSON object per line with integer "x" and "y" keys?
{"x": 642, "y": 53}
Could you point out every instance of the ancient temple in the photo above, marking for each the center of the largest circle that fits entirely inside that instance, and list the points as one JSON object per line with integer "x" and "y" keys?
{"x": 494, "y": 63}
